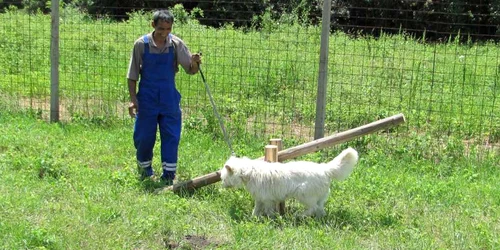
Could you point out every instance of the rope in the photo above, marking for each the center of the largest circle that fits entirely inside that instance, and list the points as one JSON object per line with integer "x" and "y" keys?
{"x": 221, "y": 123}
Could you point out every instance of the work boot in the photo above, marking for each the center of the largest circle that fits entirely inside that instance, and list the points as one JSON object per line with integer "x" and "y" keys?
{"x": 166, "y": 181}
{"x": 167, "y": 178}
{"x": 146, "y": 173}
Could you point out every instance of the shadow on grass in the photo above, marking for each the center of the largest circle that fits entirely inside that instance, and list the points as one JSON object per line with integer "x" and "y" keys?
{"x": 339, "y": 219}
{"x": 159, "y": 187}
{"x": 353, "y": 220}
{"x": 149, "y": 186}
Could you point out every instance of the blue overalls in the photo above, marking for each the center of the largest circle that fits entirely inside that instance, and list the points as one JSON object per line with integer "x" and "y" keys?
{"x": 159, "y": 105}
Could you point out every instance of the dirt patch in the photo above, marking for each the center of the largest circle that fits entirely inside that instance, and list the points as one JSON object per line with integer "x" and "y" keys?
{"x": 484, "y": 145}
{"x": 191, "y": 242}
{"x": 68, "y": 108}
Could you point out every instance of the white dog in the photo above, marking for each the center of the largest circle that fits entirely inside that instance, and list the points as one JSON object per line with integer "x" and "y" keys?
{"x": 272, "y": 183}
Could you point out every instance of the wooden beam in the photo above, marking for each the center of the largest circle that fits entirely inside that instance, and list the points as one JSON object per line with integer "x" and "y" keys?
{"x": 195, "y": 183}
{"x": 341, "y": 137}
{"x": 300, "y": 150}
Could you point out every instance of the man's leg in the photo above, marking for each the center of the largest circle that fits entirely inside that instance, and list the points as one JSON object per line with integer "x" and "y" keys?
{"x": 144, "y": 141}
{"x": 170, "y": 133}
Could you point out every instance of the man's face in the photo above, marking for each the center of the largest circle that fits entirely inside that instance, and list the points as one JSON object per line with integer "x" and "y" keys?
{"x": 162, "y": 28}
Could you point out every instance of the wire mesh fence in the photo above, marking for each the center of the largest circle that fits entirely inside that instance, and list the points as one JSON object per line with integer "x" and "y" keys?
{"x": 436, "y": 62}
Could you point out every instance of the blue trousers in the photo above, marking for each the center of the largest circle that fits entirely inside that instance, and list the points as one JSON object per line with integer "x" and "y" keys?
{"x": 145, "y": 130}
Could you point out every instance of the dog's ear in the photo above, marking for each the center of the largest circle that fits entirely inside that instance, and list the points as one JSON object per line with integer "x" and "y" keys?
{"x": 229, "y": 169}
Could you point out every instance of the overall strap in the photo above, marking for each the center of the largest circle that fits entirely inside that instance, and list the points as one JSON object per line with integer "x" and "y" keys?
{"x": 175, "y": 53}
{"x": 175, "y": 48}
{"x": 146, "y": 44}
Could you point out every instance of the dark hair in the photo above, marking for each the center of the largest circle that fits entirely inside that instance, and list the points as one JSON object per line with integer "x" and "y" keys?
{"x": 163, "y": 15}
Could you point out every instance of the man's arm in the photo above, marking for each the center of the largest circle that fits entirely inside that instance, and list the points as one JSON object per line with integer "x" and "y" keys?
{"x": 133, "y": 75}
{"x": 189, "y": 62}
{"x": 133, "y": 107}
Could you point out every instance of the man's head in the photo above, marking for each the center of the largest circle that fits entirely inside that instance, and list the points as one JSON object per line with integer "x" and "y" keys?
{"x": 163, "y": 15}
{"x": 162, "y": 22}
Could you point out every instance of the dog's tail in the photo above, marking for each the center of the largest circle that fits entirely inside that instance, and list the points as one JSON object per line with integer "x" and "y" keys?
{"x": 341, "y": 167}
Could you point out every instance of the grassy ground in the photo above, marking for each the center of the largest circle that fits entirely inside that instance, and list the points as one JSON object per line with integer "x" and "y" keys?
{"x": 74, "y": 186}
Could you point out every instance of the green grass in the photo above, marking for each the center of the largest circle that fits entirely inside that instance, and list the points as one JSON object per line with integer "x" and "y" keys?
{"x": 74, "y": 186}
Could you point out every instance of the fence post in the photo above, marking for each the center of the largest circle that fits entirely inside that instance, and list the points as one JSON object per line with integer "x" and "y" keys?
{"x": 271, "y": 155}
{"x": 319, "y": 127}
{"x": 54, "y": 62}
{"x": 278, "y": 143}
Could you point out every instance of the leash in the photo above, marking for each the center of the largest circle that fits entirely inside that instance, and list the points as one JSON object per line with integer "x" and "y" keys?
{"x": 221, "y": 123}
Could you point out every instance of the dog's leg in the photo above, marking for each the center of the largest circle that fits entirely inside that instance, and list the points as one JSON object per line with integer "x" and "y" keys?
{"x": 311, "y": 204}
{"x": 320, "y": 211}
{"x": 271, "y": 209}
{"x": 310, "y": 210}
{"x": 258, "y": 208}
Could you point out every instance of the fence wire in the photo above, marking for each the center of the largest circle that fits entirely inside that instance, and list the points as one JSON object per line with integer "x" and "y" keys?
{"x": 437, "y": 63}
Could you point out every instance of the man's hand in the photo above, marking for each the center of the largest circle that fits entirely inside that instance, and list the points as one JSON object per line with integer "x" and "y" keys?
{"x": 195, "y": 63}
{"x": 196, "y": 58}
{"x": 133, "y": 107}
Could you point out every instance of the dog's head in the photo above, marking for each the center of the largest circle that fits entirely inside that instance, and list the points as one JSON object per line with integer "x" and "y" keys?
{"x": 231, "y": 174}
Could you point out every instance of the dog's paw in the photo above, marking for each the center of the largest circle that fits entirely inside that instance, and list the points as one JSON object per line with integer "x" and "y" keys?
{"x": 320, "y": 213}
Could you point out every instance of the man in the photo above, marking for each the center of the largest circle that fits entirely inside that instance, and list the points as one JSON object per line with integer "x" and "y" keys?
{"x": 155, "y": 58}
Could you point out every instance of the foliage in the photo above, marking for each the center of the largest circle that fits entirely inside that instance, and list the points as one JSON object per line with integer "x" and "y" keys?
{"x": 434, "y": 20}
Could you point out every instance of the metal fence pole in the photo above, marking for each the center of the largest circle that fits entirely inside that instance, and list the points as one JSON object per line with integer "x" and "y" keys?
{"x": 319, "y": 128}
{"x": 54, "y": 62}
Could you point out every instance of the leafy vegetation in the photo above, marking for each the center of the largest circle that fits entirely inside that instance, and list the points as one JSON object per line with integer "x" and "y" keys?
{"x": 433, "y": 20}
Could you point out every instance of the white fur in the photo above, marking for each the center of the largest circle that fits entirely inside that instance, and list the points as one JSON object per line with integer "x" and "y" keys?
{"x": 272, "y": 183}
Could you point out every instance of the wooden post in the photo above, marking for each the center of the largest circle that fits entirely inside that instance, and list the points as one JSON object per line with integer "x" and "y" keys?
{"x": 279, "y": 144}
{"x": 276, "y": 142}
{"x": 302, "y": 149}
{"x": 319, "y": 125}
{"x": 54, "y": 62}
{"x": 271, "y": 153}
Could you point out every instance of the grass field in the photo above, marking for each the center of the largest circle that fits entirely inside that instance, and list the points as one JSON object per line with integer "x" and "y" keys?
{"x": 431, "y": 183}
{"x": 74, "y": 186}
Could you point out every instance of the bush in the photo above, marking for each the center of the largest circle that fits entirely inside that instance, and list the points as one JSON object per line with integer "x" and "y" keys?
{"x": 434, "y": 20}
{"x": 423, "y": 19}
